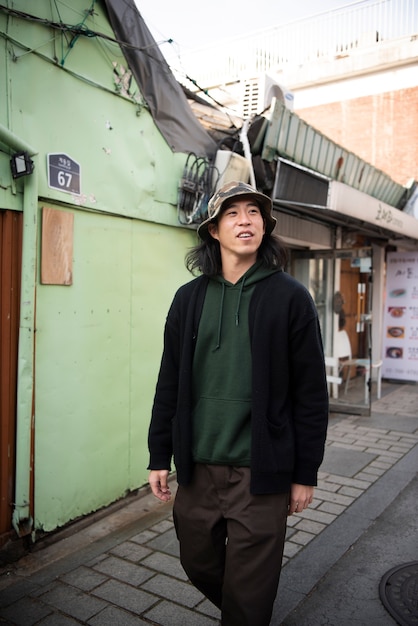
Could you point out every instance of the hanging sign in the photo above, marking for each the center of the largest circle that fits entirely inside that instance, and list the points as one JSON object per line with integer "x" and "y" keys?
{"x": 400, "y": 327}
{"x": 63, "y": 173}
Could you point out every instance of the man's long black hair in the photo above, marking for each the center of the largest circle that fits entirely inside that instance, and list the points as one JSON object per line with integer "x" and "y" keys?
{"x": 205, "y": 257}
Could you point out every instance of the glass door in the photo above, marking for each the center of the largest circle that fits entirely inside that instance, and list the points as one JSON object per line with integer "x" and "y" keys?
{"x": 340, "y": 282}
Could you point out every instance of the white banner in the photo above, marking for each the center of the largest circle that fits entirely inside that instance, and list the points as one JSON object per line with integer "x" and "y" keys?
{"x": 400, "y": 323}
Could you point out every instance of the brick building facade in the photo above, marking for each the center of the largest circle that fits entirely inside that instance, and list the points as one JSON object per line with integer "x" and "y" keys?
{"x": 382, "y": 129}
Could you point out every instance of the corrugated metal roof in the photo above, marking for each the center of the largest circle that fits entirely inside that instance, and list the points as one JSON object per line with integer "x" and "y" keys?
{"x": 289, "y": 136}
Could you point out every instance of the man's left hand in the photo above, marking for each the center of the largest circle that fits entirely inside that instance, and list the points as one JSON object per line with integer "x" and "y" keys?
{"x": 301, "y": 497}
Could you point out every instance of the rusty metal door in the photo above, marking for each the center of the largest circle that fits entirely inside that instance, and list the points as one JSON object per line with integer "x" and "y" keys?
{"x": 10, "y": 272}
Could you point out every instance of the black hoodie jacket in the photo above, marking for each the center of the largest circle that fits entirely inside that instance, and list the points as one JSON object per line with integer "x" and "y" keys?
{"x": 289, "y": 413}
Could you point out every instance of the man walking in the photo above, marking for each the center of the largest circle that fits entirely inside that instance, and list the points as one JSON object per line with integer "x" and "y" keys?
{"x": 241, "y": 403}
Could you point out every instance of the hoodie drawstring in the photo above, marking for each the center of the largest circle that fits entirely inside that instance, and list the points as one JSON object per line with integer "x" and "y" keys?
{"x": 218, "y": 344}
{"x": 239, "y": 302}
{"x": 221, "y": 308}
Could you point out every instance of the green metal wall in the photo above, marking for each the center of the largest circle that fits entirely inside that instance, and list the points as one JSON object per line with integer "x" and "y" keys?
{"x": 98, "y": 342}
{"x": 127, "y": 168}
{"x": 98, "y": 347}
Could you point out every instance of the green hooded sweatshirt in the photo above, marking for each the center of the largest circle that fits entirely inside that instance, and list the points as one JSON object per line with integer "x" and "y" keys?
{"x": 222, "y": 371}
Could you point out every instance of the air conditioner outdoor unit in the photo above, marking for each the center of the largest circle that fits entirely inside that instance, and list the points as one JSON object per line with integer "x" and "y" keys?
{"x": 259, "y": 92}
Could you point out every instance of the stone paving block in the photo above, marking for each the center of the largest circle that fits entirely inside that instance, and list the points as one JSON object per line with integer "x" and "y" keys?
{"x": 319, "y": 516}
{"x": 378, "y": 447}
{"x": 326, "y": 486}
{"x": 345, "y": 462}
{"x": 125, "y": 596}
{"x": 331, "y": 507}
{"x": 310, "y": 526}
{"x": 290, "y": 549}
{"x": 368, "y": 439}
{"x": 164, "y": 615}
{"x": 24, "y": 612}
{"x": 343, "y": 446}
{"x": 400, "y": 448}
{"x": 14, "y": 592}
{"x": 97, "y": 559}
{"x": 172, "y": 589}
{"x": 413, "y": 435}
{"x": 84, "y": 578}
{"x": 166, "y": 542}
{"x": 113, "y": 616}
{"x": 392, "y": 437}
{"x": 289, "y": 532}
{"x": 39, "y": 591}
{"x": 131, "y": 551}
{"x": 302, "y": 537}
{"x": 57, "y": 619}
{"x": 124, "y": 570}
{"x": 374, "y": 471}
{"x": 165, "y": 564}
{"x": 368, "y": 476}
{"x": 351, "y": 492}
{"x": 381, "y": 465}
{"x": 72, "y": 601}
{"x": 386, "y": 459}
{"x": 341, "y": 438}
{"x": 322, "y": 475}
{"x": 378, "y": 451}
{"x": 340, "y": 498}
{"x": 144, "y": 537}
{"x": 162, "y": 526}
{"x": 315, "y": 503}
{"x": 210, "y": 609}
{"x": 338, "y": 481}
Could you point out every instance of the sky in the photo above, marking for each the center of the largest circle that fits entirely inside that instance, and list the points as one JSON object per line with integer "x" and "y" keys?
{"x": 192, "y": 24}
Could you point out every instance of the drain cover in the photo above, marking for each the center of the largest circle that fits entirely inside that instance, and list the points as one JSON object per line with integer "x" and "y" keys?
{"x": 398, "y": 591}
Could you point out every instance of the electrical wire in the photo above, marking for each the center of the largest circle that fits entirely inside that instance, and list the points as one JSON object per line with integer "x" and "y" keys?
{"x": 197, "y": 185}
{"x": 77, "y": 30}
{"x": 89, "y": 81}
{"x": 79, "y": 26}
{"x": 81, "y": 30}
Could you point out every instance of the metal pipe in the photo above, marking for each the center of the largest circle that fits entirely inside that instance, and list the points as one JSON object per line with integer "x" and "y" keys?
{"x": 13, "y": 141}
{"x": 21, "y": 519}
{"x": 247, "y": 149}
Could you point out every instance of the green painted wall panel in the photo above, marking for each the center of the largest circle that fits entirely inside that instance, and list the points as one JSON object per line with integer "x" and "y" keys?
{"x": 98, "y": 342}
{"x": 157, "y": 271}
{"x": 127, "y": 168}
{"x": 98, "y": 347}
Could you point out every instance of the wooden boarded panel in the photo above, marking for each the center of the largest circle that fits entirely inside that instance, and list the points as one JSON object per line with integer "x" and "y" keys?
{"x": 57, "y": 247}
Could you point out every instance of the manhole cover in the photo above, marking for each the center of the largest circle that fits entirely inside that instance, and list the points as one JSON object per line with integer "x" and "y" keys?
{"x": 399, "y": 593}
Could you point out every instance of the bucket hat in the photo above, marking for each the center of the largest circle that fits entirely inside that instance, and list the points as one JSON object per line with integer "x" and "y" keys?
{"x": 227, "y": 192}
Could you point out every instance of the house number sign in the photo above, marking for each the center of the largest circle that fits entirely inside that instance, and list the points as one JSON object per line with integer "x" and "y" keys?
{"x": 63, "y": 173}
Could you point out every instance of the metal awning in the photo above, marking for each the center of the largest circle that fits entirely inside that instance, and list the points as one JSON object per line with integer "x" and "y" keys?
{"x": 306, "y": 193}
{"x": 287, "y": 136}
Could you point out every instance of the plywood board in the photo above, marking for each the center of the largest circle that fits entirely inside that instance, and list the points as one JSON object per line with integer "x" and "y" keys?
{"x": 57, "y": 247}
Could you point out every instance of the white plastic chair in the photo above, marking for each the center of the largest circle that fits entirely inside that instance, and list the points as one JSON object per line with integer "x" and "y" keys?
{"x": 344, "y": 354}
{"x": 331, "y": 366}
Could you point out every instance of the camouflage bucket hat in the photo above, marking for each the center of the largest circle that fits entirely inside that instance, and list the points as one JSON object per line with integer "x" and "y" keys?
{"x": 232, "y": 190}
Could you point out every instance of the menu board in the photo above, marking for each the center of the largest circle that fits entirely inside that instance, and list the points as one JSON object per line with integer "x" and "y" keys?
{"x": 400, "y": 322}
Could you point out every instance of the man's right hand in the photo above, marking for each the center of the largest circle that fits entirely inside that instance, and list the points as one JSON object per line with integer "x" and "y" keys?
{"x": 158, "y": 480}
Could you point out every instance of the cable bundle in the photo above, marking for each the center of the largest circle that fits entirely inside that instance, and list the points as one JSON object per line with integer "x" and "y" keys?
{"x": 197, "y": 185}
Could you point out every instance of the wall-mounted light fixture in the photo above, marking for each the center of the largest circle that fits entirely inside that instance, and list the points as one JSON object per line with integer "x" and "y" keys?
{"x": 21, "y": 164}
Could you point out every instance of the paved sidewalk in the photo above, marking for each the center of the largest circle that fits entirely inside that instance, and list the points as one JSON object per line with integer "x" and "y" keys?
{"x": 124, "y": 570}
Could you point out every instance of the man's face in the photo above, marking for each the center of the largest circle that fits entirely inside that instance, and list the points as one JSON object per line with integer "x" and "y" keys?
{"x": 239, "y": 229}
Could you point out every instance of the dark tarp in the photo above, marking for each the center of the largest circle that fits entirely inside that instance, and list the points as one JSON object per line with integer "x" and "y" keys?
{"x": 168, "y": 104}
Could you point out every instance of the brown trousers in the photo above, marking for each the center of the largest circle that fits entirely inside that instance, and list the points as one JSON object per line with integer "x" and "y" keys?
{"x": 231, "y": 542}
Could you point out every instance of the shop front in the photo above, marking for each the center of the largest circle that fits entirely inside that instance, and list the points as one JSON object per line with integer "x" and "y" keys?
{"x": 338, "y": 238}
